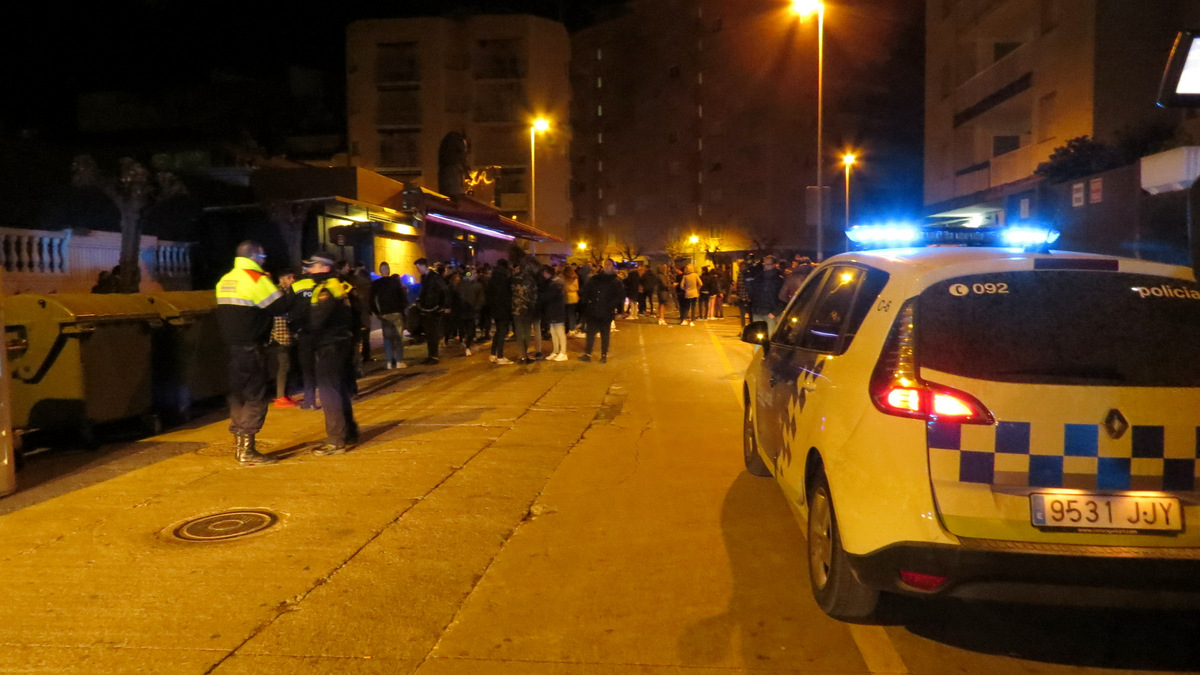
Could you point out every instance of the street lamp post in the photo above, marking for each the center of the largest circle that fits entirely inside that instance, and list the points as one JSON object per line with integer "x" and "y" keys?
{"x": 540, "y": 125}
{"x": 694, "y": 240}
{"x": 848, "y": 161}
{"x": 805, "y": 8}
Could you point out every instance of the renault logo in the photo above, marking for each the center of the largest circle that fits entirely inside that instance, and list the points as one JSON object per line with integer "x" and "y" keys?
{"x": 1115, "y": 424}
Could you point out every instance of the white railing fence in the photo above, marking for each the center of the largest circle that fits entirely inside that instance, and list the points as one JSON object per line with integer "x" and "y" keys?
{"x": 42, "y": 261}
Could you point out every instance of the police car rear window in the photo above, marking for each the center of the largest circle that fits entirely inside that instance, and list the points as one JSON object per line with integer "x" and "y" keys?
{"x": 1063, "y": 327}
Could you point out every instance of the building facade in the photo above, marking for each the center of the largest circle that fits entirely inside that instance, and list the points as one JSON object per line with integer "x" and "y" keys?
{"x": 1009, "y": 81}
{"x": 457, "y": 97}
{"x": 694, "y": 118}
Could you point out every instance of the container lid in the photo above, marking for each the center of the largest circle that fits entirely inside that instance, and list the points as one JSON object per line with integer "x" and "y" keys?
{"x": 78, "y": 307}
{"x": 171, "y": 304}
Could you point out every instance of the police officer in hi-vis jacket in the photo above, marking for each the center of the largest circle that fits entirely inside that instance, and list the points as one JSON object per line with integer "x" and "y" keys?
{"x": 332, "y": 325}
{"x": 247, "y": 302}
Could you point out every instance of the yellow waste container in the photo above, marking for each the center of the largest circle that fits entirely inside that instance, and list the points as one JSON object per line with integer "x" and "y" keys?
{"x": 78, "y": 360}
{"x": 8, "y": 458}
{"x": 190, "y": 358}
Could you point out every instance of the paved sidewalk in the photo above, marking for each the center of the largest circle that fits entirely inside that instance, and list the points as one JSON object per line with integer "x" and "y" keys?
{"x": 404, "y": 554}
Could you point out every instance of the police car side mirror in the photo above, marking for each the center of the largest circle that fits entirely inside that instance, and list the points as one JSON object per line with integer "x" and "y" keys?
{"x": 756, "y": 333}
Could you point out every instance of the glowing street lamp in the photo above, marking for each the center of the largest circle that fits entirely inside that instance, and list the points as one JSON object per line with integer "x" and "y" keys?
{"x": 540, "y": 126}
{"x": 848, "y": 160}
{"x": 694, "y": 240}
{"x": 806, "y": 8}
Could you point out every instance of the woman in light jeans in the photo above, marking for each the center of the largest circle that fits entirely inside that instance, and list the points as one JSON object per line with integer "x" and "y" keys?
{"x": 553, "y": 301}
{"x": 690, "y": 285}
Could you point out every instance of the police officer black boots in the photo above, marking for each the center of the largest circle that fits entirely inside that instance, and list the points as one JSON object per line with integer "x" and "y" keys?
{"x": 247, "y": 454}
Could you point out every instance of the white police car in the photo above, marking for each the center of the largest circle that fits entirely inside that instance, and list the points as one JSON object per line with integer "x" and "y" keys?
{"x": 985, "y": 423}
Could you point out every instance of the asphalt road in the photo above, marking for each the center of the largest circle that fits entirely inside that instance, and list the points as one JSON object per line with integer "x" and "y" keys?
{"x": 552, "y": 518}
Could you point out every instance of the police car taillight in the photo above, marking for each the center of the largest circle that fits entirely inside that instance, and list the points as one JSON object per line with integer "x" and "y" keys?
{"x": 896, "y": 389}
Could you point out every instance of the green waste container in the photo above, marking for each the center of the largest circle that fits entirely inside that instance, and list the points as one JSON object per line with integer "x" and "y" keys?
{"x": 78, "y": 360}
{"x": 190, "y": 358}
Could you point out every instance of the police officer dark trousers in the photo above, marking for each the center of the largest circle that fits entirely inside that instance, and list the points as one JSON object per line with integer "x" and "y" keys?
{"x": 305, "y": 351}
{"x": 247, "y": 302}
{"x": 332, "y": 326}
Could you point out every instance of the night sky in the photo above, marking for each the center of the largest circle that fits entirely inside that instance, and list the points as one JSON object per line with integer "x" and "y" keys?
{"x": 55, "y": 50}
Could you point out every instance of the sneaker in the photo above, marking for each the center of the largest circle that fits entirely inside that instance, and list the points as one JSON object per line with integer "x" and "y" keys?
{"x": 537, "y": 356}
{"x": 431, "y": 361}
{"x": 502, "y": 362}
{"x": 401, "y": 364}
{"x": 492, "y": 358}
{"x": 691, "y": 323}
{"x": 391, "y": 365}
{"x": 467, "y": 352}
{"x": 285, "y": 402}
{"x": 604, "y": 358}
{"x": 585, "y": 357}
{"x": 563, "y": 357}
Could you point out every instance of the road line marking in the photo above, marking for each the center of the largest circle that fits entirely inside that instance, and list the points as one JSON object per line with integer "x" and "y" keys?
{"x": 737, "y": 383}
{"x": 876, "y": 648}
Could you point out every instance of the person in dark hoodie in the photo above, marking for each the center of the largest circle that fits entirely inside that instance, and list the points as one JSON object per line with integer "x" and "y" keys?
{"x": 434, "y": 304}
{"x": 332, "y": 322}
{"x": 764, "y": 293}
{"x": 633, "y": 282}
{"x": 526, "y": 319}
{"x": 499, "y": 300}
{"x": 389, "y": 298}
{"x": 605, "y": 295}
{"x": 471, "y": 295}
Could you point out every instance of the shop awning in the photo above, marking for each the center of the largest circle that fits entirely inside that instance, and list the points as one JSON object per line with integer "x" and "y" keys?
{"x": 476, "y": 217}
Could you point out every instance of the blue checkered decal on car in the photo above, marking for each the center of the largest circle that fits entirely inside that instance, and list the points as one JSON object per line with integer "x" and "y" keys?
{"x": 1079, "y": 456}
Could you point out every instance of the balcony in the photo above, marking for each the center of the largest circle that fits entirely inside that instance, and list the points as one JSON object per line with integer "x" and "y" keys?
{"x": 995, "y": 84}
{"x": 1013, "y": 166}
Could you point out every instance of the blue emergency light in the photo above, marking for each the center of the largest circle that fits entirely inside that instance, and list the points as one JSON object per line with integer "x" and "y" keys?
{"x": 901, "y": 235}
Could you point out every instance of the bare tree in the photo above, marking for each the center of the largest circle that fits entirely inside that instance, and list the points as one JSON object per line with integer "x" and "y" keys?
{"x": 290, "y": 217}
{"x": 131, "y": 192}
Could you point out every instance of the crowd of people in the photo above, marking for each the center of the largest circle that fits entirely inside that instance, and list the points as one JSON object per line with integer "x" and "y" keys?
{"x": 315, "y": 328}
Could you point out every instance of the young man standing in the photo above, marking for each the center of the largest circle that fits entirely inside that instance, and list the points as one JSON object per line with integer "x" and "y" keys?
{"x": 389, "y": 298}
{"x": 605, "y": 294}
{"x": 434, "y": 305}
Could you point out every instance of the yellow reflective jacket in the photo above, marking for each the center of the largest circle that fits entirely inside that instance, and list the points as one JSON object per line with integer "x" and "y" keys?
{"x": 247, "y": 302}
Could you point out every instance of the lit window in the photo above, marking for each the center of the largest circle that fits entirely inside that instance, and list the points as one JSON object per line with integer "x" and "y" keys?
{"x": 600, "y": 166}
{"x": 599, "y": 82}
{"x": 600, "y": 137}
{"x": 599, "y": 111}
{"x": 599, "y": 54}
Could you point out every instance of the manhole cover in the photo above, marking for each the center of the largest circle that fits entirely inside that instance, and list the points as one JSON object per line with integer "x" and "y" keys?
{"x": 227, "y": 525}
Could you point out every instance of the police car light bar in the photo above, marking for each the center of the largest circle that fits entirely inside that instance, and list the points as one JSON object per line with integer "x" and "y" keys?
{"x": 893, "y": 235}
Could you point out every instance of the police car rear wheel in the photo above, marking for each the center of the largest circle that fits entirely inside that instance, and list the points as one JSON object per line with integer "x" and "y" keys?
{"x": 835, "y": 588}
{"x": 754, "y": 461}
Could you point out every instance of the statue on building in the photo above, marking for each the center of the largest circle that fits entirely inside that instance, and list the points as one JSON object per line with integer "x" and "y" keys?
{"x": 453, "y": 167}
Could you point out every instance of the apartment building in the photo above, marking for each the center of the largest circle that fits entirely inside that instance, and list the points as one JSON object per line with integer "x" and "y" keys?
{"x": 694, "y": 118}
{"x": 415, "y": 84}
{"x": 1009, "y": 81}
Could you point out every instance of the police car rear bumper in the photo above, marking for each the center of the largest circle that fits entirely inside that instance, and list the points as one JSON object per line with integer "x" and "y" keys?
{"x": 1017, "y": 571}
